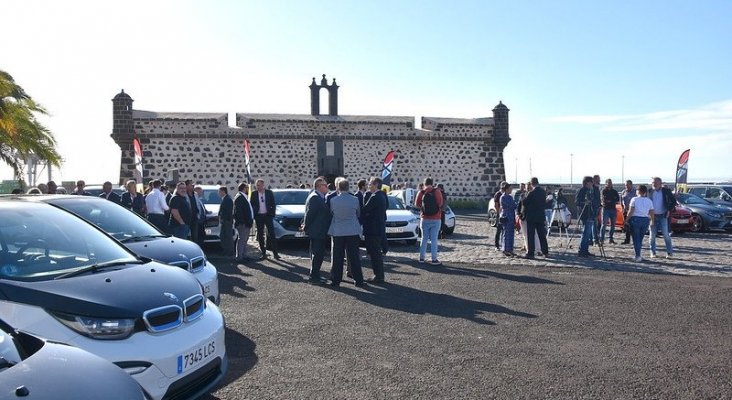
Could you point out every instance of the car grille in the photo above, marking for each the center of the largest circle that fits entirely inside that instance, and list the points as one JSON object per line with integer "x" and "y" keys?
{"x": 195, "y": 264}
{"x": 400, "y": 235}
{"x": 392, "y": 224}
{"x": 191, "y": 384}
{"x": 212, "y": 222}
{"x": 291, "y": 224}
{"x": 165, "y": 318}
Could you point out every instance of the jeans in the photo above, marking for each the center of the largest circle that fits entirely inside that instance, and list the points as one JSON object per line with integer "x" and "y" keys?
{"x": 661, "y": 222}
{"x": 638, "y": 225}
{"x": 587, "y": 232}
{"x": 612, "y": 215}
{"x": 499, "y": 230}
{"x": 430, "y": 230}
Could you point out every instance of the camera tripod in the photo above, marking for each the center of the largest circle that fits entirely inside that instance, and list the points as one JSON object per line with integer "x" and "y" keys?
{"x": 563, "y": 228}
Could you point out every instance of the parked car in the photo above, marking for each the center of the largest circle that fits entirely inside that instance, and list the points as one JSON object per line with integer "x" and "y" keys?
{"x": 401, "y": 223}
{"x": 68, "y": 281}
{"x": 682, "y": 219}
{"x": 289, "y": 213}
{"x": 707, "y": 215}
{"x": 720, "y": 194}
{"x": 33, "y": 368}
{"x": 96, "y": 190}
{"x": 407, "y": 197}
{"x": 212, "y": 202}
{"x": 141, "y": 237}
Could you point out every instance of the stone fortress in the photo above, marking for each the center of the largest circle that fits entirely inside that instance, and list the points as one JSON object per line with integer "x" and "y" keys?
{"x": 466, "y": 155}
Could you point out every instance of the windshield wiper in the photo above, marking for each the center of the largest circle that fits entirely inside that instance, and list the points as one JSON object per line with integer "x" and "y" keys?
{"x": 97, "y": 267}
{"x": 141, "y": 238}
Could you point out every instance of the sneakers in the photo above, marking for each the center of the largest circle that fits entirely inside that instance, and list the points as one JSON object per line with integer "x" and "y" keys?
{"x": 669, "y": 255}
{"x": 653, "y": 255}
{"x": 435, "y": 262}
{"x": 421, "y": 260}
{"x": 638, "y": 259}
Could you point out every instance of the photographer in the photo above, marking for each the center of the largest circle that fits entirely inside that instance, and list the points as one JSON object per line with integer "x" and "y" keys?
{"x": 588, "y": 206}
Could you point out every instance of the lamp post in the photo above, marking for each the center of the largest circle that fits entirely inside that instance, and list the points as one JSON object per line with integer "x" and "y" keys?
{"x": 571, "y": 176}
{"x": 622, "y": 170}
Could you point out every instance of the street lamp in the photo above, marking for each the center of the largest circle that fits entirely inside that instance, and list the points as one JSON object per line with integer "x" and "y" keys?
{"x": 571, "y": 176}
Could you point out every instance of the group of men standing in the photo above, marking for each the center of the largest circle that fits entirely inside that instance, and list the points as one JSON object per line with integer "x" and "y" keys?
{"x": 342, "y": 217}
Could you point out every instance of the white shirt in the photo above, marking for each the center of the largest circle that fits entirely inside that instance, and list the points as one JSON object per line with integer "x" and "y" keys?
{"x": 262, "y": 204}
{"x": 641, "y": 206}
{"x": 155, "y": 202}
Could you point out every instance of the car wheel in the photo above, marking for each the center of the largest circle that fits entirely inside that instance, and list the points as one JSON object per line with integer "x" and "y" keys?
{"x": 492, "y": 218}
{"x": 412, "y": 242}
{"x": 697, "y": 224}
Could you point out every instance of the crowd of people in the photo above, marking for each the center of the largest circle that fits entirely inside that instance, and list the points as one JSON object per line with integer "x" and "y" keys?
{"x": 530, "y": 210}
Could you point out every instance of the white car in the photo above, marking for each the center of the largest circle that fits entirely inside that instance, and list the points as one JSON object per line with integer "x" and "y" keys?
{"x": 212, "y": 202}
{"x": 401, "y": 223}
{"x": 290, "y": 213}
{"x": 409, "y": 195}
{"x": 67, "y": 281}
{"x": 141, "y": 237}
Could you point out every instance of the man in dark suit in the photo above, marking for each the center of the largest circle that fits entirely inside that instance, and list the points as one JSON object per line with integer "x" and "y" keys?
{"x": 193, "y": 223}
{"x": 131, "y": 199}
{"x": 243, "y": 221}
{"x": 263, "y": 204}
{"x": 226, "y": 221}
{"x": 108, "y": 194}
{"x": 317, "y": 222}
{"x": 373, "y": 217}
{"x": 361, "y": 191}
{"x": 535, "y": 220}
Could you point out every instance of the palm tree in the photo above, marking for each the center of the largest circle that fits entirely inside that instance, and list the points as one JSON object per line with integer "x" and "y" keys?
{"x": 21, "y": 135}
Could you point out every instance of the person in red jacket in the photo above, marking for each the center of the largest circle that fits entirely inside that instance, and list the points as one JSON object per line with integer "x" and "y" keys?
{"x": 430, "y": 201}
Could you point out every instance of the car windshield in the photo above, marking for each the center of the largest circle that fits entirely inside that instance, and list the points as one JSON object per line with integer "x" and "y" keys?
{"x": 112, "y": 218}
{"x": 395, "y": 203}
{"x": 39, "y": 242}
{"x": 291, "y": 197}
{"x": 211, "y": 196}
{"x": 688, "y": 198}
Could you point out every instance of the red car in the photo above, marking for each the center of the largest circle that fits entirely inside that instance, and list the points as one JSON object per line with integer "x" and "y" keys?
{"x": 681, "y": 219}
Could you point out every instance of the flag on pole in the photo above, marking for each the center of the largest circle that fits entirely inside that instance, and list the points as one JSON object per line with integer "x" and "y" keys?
{"x": 682, "y": 168}
{"x": 387, "y": 168}
{"x": 138, "y": 160}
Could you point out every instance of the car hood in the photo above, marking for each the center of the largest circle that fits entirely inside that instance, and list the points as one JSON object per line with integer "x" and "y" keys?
{"x": 399, "y": 215}
{"x": 287, "y": 210}
{"x": 166, "y": 249}
{"x": 124, "y": 292}
{"x": 213, "y": 209}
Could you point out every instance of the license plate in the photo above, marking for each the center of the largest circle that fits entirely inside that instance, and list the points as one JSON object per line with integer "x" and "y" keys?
{"x": 208, "y": 231}
{"x": 300, "y": 234}
{"x": 682, "y": 221}
{"x": 394, "y": 230}
{"x": 196, "y": 356}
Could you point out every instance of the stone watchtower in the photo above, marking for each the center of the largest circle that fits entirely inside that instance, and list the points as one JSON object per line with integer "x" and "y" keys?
{"x": 123, "y": 131}
{"x": 500, "y": 124}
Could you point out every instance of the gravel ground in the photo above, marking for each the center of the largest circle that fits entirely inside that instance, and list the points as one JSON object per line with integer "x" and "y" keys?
{"x": 484, "y": 326}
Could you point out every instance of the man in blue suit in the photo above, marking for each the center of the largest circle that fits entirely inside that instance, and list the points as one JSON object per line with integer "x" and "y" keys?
{"x": 345, "y": 230}
{"x": 317, "y": 222}
{"x": 373, "y": 217}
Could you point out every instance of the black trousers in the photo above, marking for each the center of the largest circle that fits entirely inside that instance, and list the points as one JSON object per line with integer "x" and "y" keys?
{"x": 317, "y": 253}
{"x": 264, "y": 220}
{"x": 349, "y": 246}
{"x": 374, "y": 250}
{"x": 160, "y": 222}
{"x": 536, "y": 227}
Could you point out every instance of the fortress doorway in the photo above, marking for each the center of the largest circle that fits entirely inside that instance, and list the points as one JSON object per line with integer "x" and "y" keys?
{"x": 330, "y": 158}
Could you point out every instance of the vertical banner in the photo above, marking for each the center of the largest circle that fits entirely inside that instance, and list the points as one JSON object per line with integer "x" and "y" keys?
{"x": 682, "y": 168}
{"x": 387, "y": 168}
{"x": 138, "y": 160}
{"x": 247, "y": 165}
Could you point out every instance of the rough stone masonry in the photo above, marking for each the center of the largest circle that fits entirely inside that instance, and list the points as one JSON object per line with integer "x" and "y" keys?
{"x": 466, "y": 155}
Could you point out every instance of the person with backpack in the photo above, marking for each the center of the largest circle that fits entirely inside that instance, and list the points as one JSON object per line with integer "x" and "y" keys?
{"x": 429, "y": 201}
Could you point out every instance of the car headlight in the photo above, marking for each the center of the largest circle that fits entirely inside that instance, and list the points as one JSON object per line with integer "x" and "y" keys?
{"x": 97, "y": 328}
{"x": 715, "y": 215}
{"x": 413, "y": 220}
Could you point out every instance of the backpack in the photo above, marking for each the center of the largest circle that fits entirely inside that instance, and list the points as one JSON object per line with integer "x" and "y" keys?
{"x": 429, "y": 203}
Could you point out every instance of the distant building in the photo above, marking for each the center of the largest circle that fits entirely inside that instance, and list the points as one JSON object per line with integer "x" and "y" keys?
{"x": 464, "y": 154}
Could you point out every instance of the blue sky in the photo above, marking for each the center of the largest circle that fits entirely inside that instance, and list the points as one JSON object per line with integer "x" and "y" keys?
{"x": 620, "y": 85}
